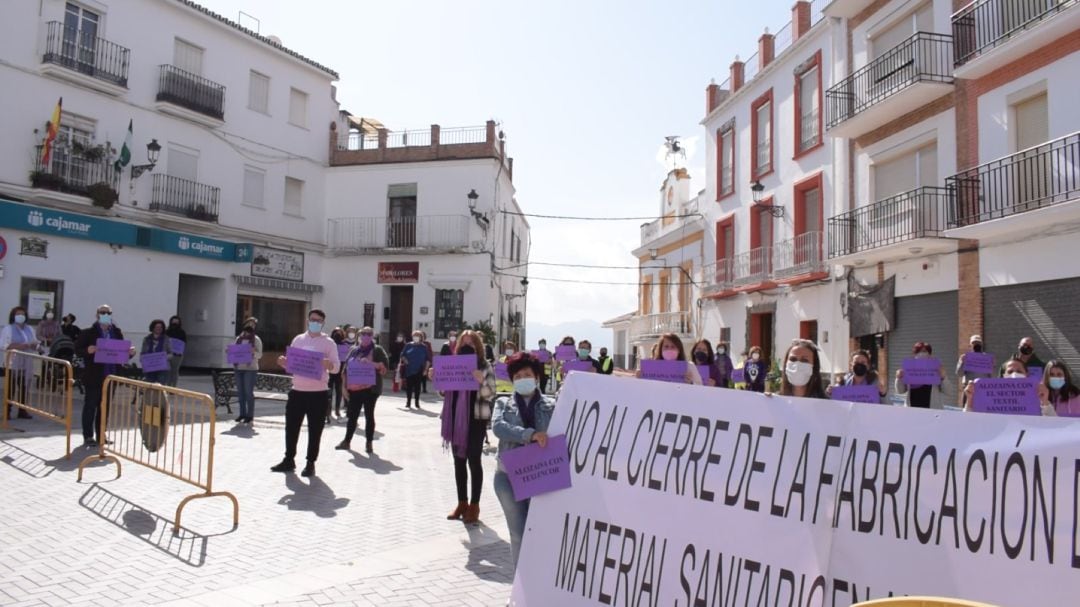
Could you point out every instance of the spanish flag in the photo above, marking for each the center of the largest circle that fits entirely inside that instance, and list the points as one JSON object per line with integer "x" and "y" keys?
{"x": 52, "y": 127}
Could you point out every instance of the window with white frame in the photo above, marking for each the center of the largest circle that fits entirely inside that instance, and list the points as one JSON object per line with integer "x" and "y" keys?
{"x": 294, "y": 196}
{"x": 254, "y": 185}
{"x": 259, "y": 92}
{"x": 809, "y": 108}
{"x": 763, "y": 137}
{"x": 727, "y": 161}
{"x": 298, "y": 107}
{"x": 187, "y": 57}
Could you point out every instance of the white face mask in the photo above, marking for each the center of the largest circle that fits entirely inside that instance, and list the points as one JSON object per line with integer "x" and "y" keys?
{"x": 509, "y": 352}
{"x": 416, "y": 339}
{"x": 799, "y": 373}
{"x": 721, "y": 351}
{"x": 49, "y": 316}
{"x": 755, "y": 356}
{"x": 1016, "y": 375}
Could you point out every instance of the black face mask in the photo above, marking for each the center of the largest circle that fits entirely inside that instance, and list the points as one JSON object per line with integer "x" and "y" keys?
{"x": 701, "y": 357}
{"x": 859, "y": 369}
{"x": 976, "y": 347}
{"x": 1026, "y": 350}
{"x": 466, "y": 350}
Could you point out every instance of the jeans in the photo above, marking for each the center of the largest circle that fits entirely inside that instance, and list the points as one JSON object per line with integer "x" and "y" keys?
{"x": 173, "y": 376}
{"x": 361, "y": 400}
{"x": 412, "y": 388}
{"x": 91, "y": 411}
{"x": 245, "y": 392}
{"x": 516, "y": 512}
{"x": 300, "y": 405}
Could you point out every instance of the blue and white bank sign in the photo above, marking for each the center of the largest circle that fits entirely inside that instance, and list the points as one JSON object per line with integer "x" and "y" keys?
{"x": 66, "y": 224}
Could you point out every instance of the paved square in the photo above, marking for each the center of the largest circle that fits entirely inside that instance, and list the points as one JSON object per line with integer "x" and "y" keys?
{"x": 367, "y": 530}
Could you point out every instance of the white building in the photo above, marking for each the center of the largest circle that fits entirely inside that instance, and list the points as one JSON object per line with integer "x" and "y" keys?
{"x": 230, "y": 221}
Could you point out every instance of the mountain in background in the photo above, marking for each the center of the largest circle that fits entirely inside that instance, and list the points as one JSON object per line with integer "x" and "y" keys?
{"x": 579, "y": 329}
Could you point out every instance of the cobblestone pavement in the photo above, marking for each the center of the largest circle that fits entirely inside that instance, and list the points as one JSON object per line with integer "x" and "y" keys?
{"x": 367, "y": 530}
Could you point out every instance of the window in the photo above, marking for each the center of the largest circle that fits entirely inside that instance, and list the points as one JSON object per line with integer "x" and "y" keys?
{"x": 646, "y": 296}
{"x": 725, "y": 336}
{"x": 449, "y": 311}
{"x": 761, "y": 237}
{"x": 808, "y": 212}
{"x": 1033, "y": 176}
{"x": 80, "y": 34}
{"x": 906, "y": 172}
{"x": 513, "y": 237}
{"x": 401, "y": 222}
{"x": 1031, "y": 123}
{"x": 808, "y": 330}
{"x": 64, "y": 162}
{"x": 294, "y": 196}
{"x": 762, "y": 136}
{"x": 808, "y": 106}
{"x": 920, "y": 20}
{"x": 298, "y": 108}
{"x": 725, "y": 161}
{"x": 39, "y": 295}
{"x": 254, "y": 180}
{"x": 259, "y": 92}
{"x": 187, "y": 57}
{"x": 183, "y": 163}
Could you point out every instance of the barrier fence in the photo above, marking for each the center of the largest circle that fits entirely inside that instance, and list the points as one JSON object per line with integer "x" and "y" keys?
{"x": 168, "y": 430}
{"x": 40, "y": 385}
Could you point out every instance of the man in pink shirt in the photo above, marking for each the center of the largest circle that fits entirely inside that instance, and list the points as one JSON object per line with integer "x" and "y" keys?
{"x": 309, "y": 396}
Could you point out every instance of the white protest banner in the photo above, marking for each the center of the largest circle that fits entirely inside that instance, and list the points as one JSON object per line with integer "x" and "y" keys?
{"x": 689, "y": 496}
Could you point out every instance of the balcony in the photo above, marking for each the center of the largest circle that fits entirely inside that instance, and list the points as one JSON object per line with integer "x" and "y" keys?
{"x": 799, "y": 256}
{"x": 752, "y": 267}
{"x": 990, "y": 34}
{"x": 79, "y": 173}
{"x": 652, "y": 326}
{"x": 1020, "y": 194}
{"x": 185, "y": 198}
{"x": 845, "y": 8}
{"x": 899, "y": 226}
{"x": 717, "y": 277}
{"x": 87, "y": 60}
{"x": 190, "y": 96}
{"x": 685, "y": 215}
{"x": 430, "y": 233}
{"x": 916, "y": 72}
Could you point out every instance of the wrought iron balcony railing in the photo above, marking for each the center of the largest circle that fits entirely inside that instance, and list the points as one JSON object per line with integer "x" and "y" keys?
{"x": 191, "y": 91}
{"x": 185, "y": 198}
{"x": 919, "y": 213}
{"x": 803, "y": 254}
{"x": 96, "y": 57}
{"x": 988, "y": 24}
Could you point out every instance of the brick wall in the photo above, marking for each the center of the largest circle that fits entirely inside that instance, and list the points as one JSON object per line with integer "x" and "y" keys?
{"x": 970, "y": 320}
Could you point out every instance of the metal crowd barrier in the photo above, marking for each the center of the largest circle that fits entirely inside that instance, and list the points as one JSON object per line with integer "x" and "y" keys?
{"x": 41, "y": 385}
{"x": 166, "y": 429}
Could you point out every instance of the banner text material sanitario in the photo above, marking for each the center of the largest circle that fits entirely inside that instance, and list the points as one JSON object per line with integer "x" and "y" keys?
{"x": 693, "y": 496}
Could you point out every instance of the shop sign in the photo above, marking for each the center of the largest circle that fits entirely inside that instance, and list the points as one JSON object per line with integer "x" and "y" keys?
{"x": 275, "y": 263}
{"x": 34, "y": 247}
{"x": 397, "y": 272}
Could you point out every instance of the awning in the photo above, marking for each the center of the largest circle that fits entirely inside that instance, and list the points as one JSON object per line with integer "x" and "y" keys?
{"x": 276, "y": 284}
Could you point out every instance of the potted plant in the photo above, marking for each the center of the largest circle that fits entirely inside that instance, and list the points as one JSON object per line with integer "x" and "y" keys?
{"x": 102, "y": 195}
{"x": 45, "y": 180}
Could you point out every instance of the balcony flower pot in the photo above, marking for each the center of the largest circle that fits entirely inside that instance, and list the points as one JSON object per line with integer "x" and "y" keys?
{"x": 46, "y": 180}
{"x": 102, "y": 195}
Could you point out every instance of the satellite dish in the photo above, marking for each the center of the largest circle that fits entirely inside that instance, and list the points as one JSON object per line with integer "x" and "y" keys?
{"x": 275, "y": 40}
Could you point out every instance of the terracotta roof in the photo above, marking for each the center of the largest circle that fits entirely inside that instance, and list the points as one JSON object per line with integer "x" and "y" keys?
{"x": 264, "y": 39}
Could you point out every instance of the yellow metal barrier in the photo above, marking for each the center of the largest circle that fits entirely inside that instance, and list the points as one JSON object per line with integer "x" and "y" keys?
{"x": 166, "y": 429}
{"x": 41, "y": 385}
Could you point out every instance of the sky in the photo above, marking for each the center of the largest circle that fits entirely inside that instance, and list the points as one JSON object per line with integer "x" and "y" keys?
{"x": 585, "y": 90}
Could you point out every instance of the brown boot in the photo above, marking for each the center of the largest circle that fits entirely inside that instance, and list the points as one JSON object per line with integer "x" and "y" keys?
{"x": 472, "y": 514}
{"x": 458, "y": 512}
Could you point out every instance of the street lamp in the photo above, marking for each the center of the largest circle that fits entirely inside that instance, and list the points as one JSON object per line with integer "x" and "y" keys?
{"x": 481, "y": 218}
{"x": 152, "y": 150}
{"x": 758, "y": 189}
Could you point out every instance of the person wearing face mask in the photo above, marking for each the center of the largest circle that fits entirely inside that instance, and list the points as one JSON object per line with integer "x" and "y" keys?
{"x": 94, "y": 373}
{"x": 802, "y": 371}
{"x": 48, "y": 327}
{"x": 335, "y": 386}
{"x": 518, "y": 420}
{"x": 154, "y": 342}
{"x": 860, "y": 374}
{"x": 546, "y": 375}
{"x": 584, "y": 353}
{"x": 176, "y": 331}
{"x": 465, "y": 416}
{"x": 309, "y": 396}
{"x": 1025, "y": 353}
{"x": 918, "y": 396}
{"x": 69, "y": 328}
{"x": 246, "y": 373}
{"x": 607, "y": 365}
{"x": 670, "y": 348}
{"x": 963, "y": 378}
{"x": 414, "y": 365}
{"x": 755, "y": 369}
{"x": 1062, "y": 393}
{"x": 362, "y": 397}
{"x": 19, "y": 336}
{"x": 1015, "y": 368}
{"x": 703, "y": 355}
{"x": 722, "y": 359}
{"x": 505, "y": 386}
{"x": 450, "y": 345}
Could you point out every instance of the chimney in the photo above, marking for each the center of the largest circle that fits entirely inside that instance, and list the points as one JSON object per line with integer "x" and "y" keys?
{"x": 800, "y": 19}
{"x": 712, "y": 97}
{"x": 766, "y": 49}
{"x": 436, "y": 134}
{"x": 737, "y": 74}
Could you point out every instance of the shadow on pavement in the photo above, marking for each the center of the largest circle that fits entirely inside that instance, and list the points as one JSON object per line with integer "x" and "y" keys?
{"x": 241, "y": 431}
{"x": 312, "y": 496}
{"x": 424, "y": 412}
{"x": 374, "y": 463}
{"x": 35, "y": 465}
{"x": 152, "y": 528}
{"x": 489, "y": 555}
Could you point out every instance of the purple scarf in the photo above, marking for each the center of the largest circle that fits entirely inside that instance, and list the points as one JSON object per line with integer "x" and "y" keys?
{"x": 455, "y": 421}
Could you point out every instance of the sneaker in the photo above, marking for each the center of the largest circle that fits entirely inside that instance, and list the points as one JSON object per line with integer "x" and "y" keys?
{"x": 90, "y": 443}
{"x": 343, "y": 446}
{"x": 286, "y": 465}
{"x": 309, "y": 469}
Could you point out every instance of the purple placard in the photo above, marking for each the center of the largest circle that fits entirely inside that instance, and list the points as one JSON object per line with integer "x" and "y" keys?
{"x": 455, "y": 372}
{"x": 1006, "y": 395}
{"x": 673, "y": 371}
{"x": 922, "y": 371}
{"x": 304, "y": 363}
{"x": 738, "y": 376}
{"x": 343, "y": 351}
{"x": 703, "y": 371}
{"x": 579, "y": 365}
{"x": 534, "y": 470}
{"x": 1035, "y": 374}
{"x": 857, "y": 393}
{"x": 178, "y": 345}
{"x": 153, "y": 362}
{"x": 542, "y": 355}
{"x": 502, "y": 372}
{"x": 362, "y": 372}
{"x": 239, "y": 354}
{"x": 981, "y": 363}
{"x": 112, "y": 351}
{"x": 565, "y": 353}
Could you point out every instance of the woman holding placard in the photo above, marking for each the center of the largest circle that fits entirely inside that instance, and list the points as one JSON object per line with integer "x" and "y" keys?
{"x": 414, "y": 365}
{"x": 156, "y": 342}
{"x": 465, "y": 416}
{"x": 802, "y": 371}
{"x": 1014, "y": 368}
{"x": 95, "y": 372}
{"x": 1061, "y": 391}
{"x": 670, "y": 348}
{"x": 860, "y": 374}
{"x": 918, "y": 395}
{"x": 706, "y": 360}
{"x": 246, "y": 372}
{"x": 518, "y": 420}
{"x": 178, "y": 341}
{"x": 18, "y": 335}
{"x": 365, "y": 366}
{"x": 755, "y": 368}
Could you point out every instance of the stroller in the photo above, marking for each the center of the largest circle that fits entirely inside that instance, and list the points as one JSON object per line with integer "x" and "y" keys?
{"x": 63, "y": 348}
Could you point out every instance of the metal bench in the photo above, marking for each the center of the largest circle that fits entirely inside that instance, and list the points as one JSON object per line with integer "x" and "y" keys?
{"x": 225, "y": 386}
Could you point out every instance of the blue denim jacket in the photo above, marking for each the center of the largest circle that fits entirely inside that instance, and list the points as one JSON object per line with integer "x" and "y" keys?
{"x": 510, "y": 429}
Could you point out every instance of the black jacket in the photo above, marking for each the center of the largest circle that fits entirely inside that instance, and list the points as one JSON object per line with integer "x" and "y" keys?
{"x": 93, "y": 373}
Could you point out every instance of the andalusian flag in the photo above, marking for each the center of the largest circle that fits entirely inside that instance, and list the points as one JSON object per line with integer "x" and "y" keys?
{"x": 52, "y": 128}
{"x": 125, "y": 150}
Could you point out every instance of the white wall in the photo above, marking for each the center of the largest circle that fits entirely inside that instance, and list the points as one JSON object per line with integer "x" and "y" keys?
{"x": 939, "y": 129}
{"x": 1021, "y": 262}
{"x": 887, "y": 16}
